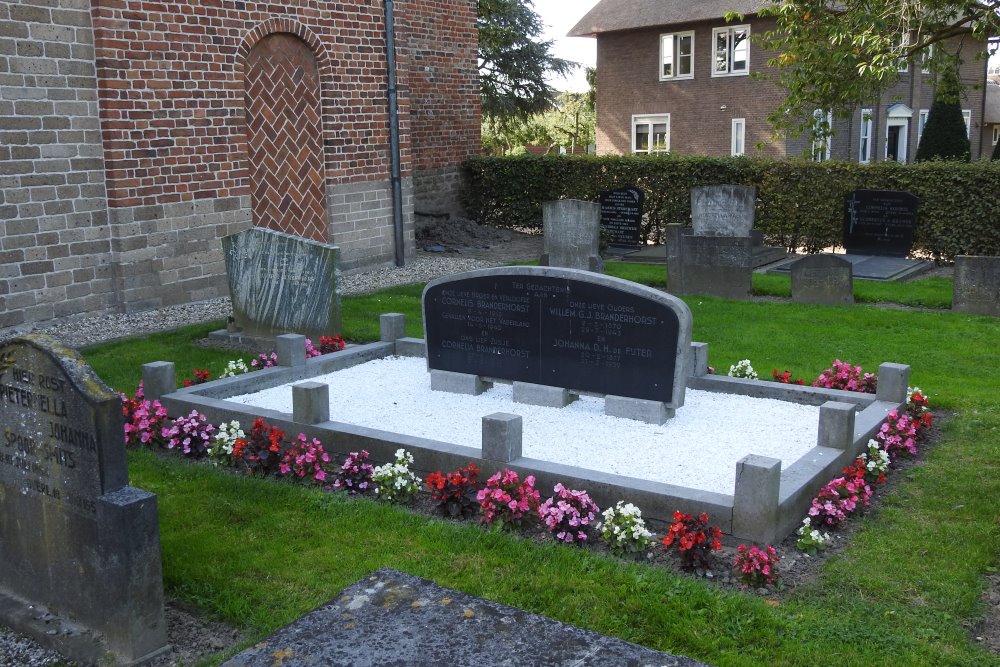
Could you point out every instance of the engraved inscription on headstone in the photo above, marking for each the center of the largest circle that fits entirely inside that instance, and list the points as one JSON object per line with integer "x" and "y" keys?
{"x": 716, "y": 266}
{"x": 723, "y": 210}
{"x": 73, "y": 536}
{"x": 572, "y": 235}
{"x": 977, "y": 285}
{"x": 621, "y": 217}
{"x": 281, "y": 283}
{"x": 822, "y": 279}
{"x": 879, "y": 222}
{"x": 562, "y": 328}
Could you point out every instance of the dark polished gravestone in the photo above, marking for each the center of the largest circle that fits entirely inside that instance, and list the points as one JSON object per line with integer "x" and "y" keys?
{"x": 822, "y": 279}
{"x": 879, "y": 222}
{"x": 75, "y": 539}
{"x": 561, "y": 328}
{"x": 393, "y": 618}
{"x": 281, "y": 283}
{"x": 977, "y": 285}
{"x": 621, "y": 217}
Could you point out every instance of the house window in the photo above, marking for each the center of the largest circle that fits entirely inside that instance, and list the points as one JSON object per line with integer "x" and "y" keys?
{"x": 739, "y": 136}
{"x": 822, "y": 123}
{"x": 651, "y": 134}
{"x": 677, "y": 56}
{"x": 732, "y": 50}
{"x": 922, "y": 121}
{"x": 925, "y": 59}
{"x": 865, "y": 150}
{"x": 996, "y": 134}
{"x": 967, "y": 117}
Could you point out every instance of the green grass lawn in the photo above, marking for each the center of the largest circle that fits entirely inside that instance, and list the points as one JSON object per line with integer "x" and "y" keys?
{"x": 261, "y": 553}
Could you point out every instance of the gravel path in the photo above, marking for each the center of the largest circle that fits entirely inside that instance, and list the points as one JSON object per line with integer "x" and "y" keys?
{"x": 91, "y": 330}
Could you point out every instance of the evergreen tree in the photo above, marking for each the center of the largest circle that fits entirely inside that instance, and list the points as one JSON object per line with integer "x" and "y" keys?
{"x": 513, "y": 62}
{"x": 945, "y": 135}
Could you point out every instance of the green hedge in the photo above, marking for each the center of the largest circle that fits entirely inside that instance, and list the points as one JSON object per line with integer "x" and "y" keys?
{"x": 800, "y": 204}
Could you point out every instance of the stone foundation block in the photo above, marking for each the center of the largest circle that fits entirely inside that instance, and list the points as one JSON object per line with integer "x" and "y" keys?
{"x": 540, "y": 394}
{"x": 502, "y": 436}
{"x": 639, "y": 409}
{"x": 458, "y": 383}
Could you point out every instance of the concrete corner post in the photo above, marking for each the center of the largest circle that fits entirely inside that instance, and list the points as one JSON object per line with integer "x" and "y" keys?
{"x": 158, "y": 378}
{"x": 893, "y": 380}
{"x": 755, "y": 501}
{"x": 698, "y": 360}
{"x": 836, "y": 425}
{"x": 392, "y": 327}
{"x": 502, "y": 433}
{"x": 311, "y": 402}
{"x": 291, "y": 349}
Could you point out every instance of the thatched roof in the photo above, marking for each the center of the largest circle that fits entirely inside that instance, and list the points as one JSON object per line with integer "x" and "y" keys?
{"x": 611, "y": 15}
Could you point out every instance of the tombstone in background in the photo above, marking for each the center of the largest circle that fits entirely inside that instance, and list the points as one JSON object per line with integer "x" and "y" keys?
{"x": 560, "y": 328}
{"x": 822, "y": 279}
{"x": 879, "y": 222}
{"x": 723, "y": 210}
{"x": 977, "y": 285}
{"x": 572, "y": 235}
{"x": 281, "y": 283}
{"x": 621, "y": 217}
{"x": 717, "y": 258}
{"x": 75, "y": 539}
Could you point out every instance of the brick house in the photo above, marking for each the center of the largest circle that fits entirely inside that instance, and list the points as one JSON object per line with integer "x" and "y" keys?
{"x": 673, "y": 75}
{"x": 134, "y": 134}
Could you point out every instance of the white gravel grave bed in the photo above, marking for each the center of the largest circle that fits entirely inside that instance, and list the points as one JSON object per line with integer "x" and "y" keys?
{"x": 697, "y": 449}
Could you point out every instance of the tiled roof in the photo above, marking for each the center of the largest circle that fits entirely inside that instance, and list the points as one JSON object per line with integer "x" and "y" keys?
{"x": 611, "y": 15}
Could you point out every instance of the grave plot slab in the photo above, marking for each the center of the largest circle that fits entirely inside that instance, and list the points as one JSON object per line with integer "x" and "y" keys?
{"x": 870, "y": 267}
{"x": 393, "y": 618}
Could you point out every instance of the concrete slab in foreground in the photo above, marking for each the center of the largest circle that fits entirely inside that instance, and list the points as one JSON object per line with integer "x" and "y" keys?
{"x": 392, "y": 618}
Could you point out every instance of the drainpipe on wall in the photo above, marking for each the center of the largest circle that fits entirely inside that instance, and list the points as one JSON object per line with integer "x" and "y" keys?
{"x": 396, "y": 178}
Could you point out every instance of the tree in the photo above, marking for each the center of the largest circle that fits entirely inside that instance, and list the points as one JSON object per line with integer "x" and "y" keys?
{"x": 513, "y": 62}
{"x": 570, "y": 123}
{"x": 842, "y": 54}
{"x": 945, "y": 135}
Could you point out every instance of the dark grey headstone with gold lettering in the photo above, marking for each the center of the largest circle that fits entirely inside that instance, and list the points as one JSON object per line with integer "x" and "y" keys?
{"x": 560, "y": 328}
{"x": 75, "y": 539}
{"x": 281, "y": 283}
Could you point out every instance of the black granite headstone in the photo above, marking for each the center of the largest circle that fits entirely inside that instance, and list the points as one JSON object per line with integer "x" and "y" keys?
{"x": 562, "y": 328}
{"x": 879, "y": 222}
{"x": 74, "y": 537}
{"x": 621, "y": 217}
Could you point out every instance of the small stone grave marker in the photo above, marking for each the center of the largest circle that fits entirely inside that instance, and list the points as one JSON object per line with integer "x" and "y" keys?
{"x": 977, "y": 285}
{"x": 822, "y": 279}
{"x": 723, "y": 210}
{"x": 75, "y": 539}
{"x": 281, "y": 283}
{"x": 572, "y": 235}
{"x": 560, "y": 328}
{"x": 716, "y": 266}
{"x": 621, "y": 217}
{"x": 879, "y": 222}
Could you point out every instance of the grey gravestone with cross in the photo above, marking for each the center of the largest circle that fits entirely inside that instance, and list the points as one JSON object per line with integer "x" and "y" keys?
{"x": 75, "y": 538}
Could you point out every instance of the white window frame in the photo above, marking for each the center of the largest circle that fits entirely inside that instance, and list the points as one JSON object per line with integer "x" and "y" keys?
{"x": 925, "y": 58}
{"x": 996, "y": 134}
{"x": 967, "y": 117}
{"x": 922, "y": 121}
{"x": 821, "y": 149}
{"x": 675, "y": 55}
{"x": 649, "y": 120}
{"x": 729, "y": 33}
{"x": 904, "y": 64}
{"x": 739, "y": 137}
{"x": 865, "y": 148}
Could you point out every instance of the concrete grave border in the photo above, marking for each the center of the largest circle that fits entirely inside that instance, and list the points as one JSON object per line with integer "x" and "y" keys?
{"x": 767, "y": 504}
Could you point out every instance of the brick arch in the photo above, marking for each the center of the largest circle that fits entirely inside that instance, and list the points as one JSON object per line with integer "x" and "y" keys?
{"x": 284, "y": 123}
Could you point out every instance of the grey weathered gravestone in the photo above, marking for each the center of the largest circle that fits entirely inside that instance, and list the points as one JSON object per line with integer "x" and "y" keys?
{"x": 281, "y": 283}
{"x": 977, "y": 285}
{"x": 572, "y": 235}
{"x": 723, "y": 210}
{"x": 674, "y": 234}
{"x": 74, "y": 537}
{"x": 822, "y": 279}
{"x": 716, "y": 266}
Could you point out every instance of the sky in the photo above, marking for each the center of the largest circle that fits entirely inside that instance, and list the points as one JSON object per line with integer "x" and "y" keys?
{"x": 559, "y": 16}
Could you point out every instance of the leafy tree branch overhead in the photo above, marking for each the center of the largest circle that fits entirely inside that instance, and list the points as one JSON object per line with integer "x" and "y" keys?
{"x": 842, "y": 54}
{"x": 514, "y": 61}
